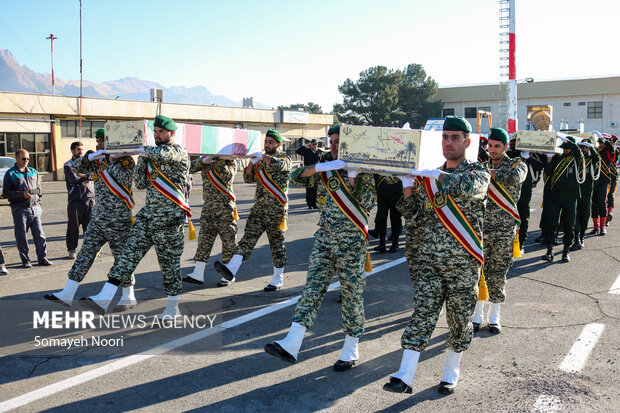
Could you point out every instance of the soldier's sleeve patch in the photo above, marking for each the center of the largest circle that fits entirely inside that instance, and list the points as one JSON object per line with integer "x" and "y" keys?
{"x": 127, "y": 163}
{"x": 516, "y": 163}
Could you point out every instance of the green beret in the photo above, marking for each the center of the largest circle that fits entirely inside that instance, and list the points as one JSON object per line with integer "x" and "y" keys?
{"x": 100, "y": 134}
{"x": 456, "y": 123}
{"x": 333, "y": 129}
{"x": 498, "y": 134}
{"x": 165, "y": 122}
{"x": 274, "y": 134}
{"x": 564, "y": 144}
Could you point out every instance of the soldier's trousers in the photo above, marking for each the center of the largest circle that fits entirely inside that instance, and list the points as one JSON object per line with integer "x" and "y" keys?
{"x": 567, "y": 208}
{"x": 167, "y": 237}
{"x": 311, "y": 196}
{"x": 456, "y": 283}
{"x": 498, "y": 260}
{"x": 599, "y": 198}
{"x": 256, "y": 224}
{"x": 523, "y": 206}
{"x": 114, "y": 232}
{"x": 333, "y": 255}
{"x": 413, "y": 239}
{"x": 212, "y": 225}
{"x": 611, "y": 195}
{"x": 385, "y": 204}
{"x": 582, "y": 215}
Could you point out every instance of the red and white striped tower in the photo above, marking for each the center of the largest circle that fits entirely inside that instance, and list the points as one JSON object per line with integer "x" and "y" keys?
{"x": 512, "y": 71}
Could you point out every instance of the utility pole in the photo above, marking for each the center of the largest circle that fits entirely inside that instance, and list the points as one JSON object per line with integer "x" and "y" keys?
{"x": 51, "y": 39}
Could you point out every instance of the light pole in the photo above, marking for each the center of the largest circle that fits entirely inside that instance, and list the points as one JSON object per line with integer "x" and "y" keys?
{"x": 51, "y": 39}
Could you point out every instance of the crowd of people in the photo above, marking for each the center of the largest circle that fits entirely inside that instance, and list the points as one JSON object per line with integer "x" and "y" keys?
{"x": 465, "y": 222}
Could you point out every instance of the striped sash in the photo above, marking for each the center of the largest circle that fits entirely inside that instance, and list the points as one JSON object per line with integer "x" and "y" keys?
{"x": 348, "y": 204}
{"x": 166, "y": 187}
{"x": 220, "y": 185}
{"x": 272, "y": 187}
{"x": 502, "y": 198}
{"x": 561, "y": 168}
{"x": 113, "y": 185}
{"x": 453, "y": 219}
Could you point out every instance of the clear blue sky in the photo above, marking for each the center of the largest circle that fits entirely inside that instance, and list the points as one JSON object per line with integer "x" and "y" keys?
{"x": 284, "y": 52}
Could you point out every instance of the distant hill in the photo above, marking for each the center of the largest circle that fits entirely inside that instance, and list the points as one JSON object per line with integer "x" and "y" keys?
{"x": 17, "y": 78}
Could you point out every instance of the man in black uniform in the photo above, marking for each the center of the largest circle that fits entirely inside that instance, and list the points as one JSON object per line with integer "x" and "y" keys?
{"x": 607, "y": 152}
{"x": 311, "y": 155}
{"x": 584, "y": 203}
{"x": 563, "y": 192}
{"x": 389, "y": 191}
{"x": 534, "y": 168}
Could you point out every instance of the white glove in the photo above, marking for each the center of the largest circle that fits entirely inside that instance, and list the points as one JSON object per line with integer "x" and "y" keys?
{"x": 598, "y": 134}
{"x": 550, "y": 155}
{"x": 141, "y": 152}
{"x": 589, "y": 145}
{"x": 406, "y": 126}
{"x": 96, "y": 155}
{"x": 525, "y": 154}
{"x": 331, "y": 166}
{"x": 407, "y": 180}
{"x": 256, "y": 157}
{"x": 352, "y": 174}
{"x": 427, "y": 173}
{"x": 207, "y": 159}
{"x": 562, "y": 138}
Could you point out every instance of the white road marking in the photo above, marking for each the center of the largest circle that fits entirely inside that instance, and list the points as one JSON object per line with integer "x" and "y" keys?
{"x": 546, "y": 403}
{"x": 579, "y": 352}
{"x": 57, "y": 387}
{"x": 615, "y": 288}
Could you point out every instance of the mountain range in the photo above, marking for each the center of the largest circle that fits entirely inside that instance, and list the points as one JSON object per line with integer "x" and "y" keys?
{"x": 17, "y": 78}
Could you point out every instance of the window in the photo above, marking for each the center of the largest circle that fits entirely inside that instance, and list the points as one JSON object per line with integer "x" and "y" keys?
{"x": 37, "y": 144}
{"x": 595, "y": 110}
{"x": 471, "y": 112}
{"x": 581, "y": 103}
{"x": 485, "y": 108}
{"x": 67, "y": 129}
{"x": 566, "y": 103}
{"x": 447, "y": 112}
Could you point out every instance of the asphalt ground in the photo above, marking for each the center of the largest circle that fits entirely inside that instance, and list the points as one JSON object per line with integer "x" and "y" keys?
{"x": 549, "y": 310}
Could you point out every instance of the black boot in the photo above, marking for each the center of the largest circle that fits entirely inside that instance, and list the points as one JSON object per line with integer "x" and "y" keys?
{"x": 381, "y": 246}
{"x": 577, "y": 244}
{"x": 581, "y": 235}
{"x": 565, "y": 256}
{"x": 549, "y": 255}
{"x": 394, "y": 247}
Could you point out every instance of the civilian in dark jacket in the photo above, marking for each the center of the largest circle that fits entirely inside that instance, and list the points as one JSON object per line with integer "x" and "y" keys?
{"x": 23, "y": 190}
{"x": 311, "y": 155}
{"x": 81, "y": 199}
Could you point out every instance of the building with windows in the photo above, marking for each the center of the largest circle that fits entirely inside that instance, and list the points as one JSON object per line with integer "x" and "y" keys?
{"x": 594, "y": 101}
{"x": 46, "y": 125}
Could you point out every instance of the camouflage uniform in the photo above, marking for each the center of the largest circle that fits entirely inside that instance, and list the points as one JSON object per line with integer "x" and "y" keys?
{"x": 447, "y": 272}
{"x": 216, "y": 217}
{"x": 500, "y": 228}
{"x": 159, "y": 223}
{"x": 413, "y": 236}
{"x": 267, "y": 212}
{"x": 111, "y": 218}
{"x": 339, "y": 248}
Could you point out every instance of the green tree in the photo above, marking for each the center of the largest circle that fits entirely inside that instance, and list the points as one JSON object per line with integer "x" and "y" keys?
{"x": 417, "y": 97}
{"x": 310, "y": 108}
{"x": 386, "y": 97}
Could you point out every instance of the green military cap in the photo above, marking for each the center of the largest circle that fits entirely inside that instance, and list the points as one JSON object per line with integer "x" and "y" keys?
{"x": 165, "y": 122}
{"x": 100, "y": 134}
{"x": 333, "y": 129}
{"x": 498, "y": 134}
{"x": 274, "y": 134}
{"x": 456, "y": 123}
